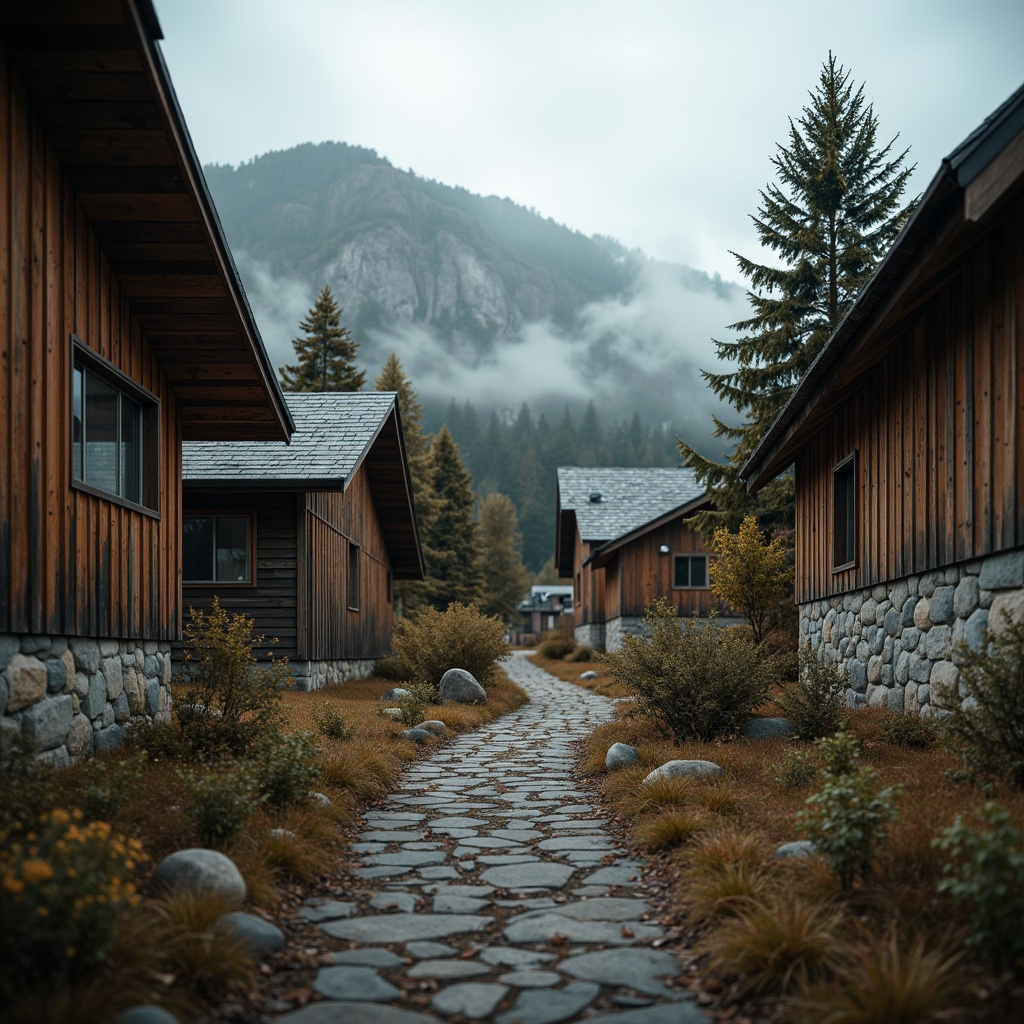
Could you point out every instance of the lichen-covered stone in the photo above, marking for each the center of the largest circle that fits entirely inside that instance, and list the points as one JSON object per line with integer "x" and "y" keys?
{"x": 1000, "y": 572}
{"x": 621, "y": 755}
{"x": 109, "y": 737}
{"x": 922, "y": 618}
{"x": 1007, "y": 607}
{"x": 207, "y": 871}
{"x": 460, "y": 687}
{"x": 938, "y": 642}
{"x": 114, "y": 677}
{"x": 80, "y": 736}
{"x": 965, "y": 597}
{"x": 941, "y": 606}
{"x": 86, "y": 654}
{"x": 688, "y": 769}
{"x": 26, "y": 681}
{"x": 767, "y": 729}
{"x": 47, "y": 722}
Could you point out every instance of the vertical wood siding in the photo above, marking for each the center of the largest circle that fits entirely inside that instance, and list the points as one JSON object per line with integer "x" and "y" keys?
{"x": 938, "y": 427}
{"x": 70, "y": 563}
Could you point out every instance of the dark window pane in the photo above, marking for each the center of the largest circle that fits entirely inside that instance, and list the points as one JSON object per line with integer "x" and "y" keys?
{"x": 844, "y": 515}
{"x": 353, "y": 576}
{"x": 131, "y": 450}
{"x": 197, "y": 548}
{"x": 698, "y": 571}
{"x": 233, "y": 549}
{"x": 100, "y": 434}
{"x": 682, "y": 573}
{"x": 76, "y": 424}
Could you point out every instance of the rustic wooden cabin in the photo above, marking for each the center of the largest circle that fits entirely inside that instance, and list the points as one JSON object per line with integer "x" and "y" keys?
{"x": 123, "y": 330}
{"x": 907, "y": 436}
{"x": 307, "y": 538}
{"x": 623, "y": 539}
{"x": 545, "y": 608}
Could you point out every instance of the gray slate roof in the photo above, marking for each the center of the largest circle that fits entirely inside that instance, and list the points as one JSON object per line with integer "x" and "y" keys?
{"x": 630, "y": 498}
{"x": 333, "y": 430}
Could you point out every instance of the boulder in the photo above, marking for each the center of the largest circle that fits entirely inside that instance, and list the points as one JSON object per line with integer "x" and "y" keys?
{"x": 767, "y": 729}
{"x": 260, "y": 937}
{"x": 207, "y": 871}
{"x": 417, "y": 735}
{"x": 591, "y": 674}
{"x": 620, "y": 755}
{"x": 796, "y": 850}
{"x": 685, "y": 770}
{"x": 391, "y": 712}
{"x": 434, "y": 727}
{"x": 459, "y": 687}
{"x": 322, "y": 799}
{"x": 395, "y": 693}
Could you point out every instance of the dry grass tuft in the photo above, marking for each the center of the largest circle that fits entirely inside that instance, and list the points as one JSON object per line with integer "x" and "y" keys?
{"x": 728, "y": 869}
{"x": 670, "y": 828}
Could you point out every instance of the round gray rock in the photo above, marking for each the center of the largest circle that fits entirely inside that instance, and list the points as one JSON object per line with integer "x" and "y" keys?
{"x": 459, "y": 687}
{"x": 321, "y": 798}
{"x": 147, "y": 1014}
{"x": 433, "y": 726}
{"x": 686, "y": 770}
{"x": 620, "y": 755}
{"x": 261, "y": 937}
{"x": 396, "y": 693}
{"x": 799, "y": 848}
{"x": 206, "y": 871}
{"x": 589, "y": 674}
{"x": 767, "y": 729}
{"x": 417, "y": 735}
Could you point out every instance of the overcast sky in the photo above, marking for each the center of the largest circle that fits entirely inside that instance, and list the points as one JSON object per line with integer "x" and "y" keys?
{"x": 653, "y": 121}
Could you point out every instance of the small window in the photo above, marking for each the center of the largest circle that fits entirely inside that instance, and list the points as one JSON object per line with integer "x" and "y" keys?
{"x": 114, "y": 425}
{"x": 216, "y": 549}
{"x": 690, "y": 572}
{"x": 844, "y": 514}
{"x": 353, "y": 577}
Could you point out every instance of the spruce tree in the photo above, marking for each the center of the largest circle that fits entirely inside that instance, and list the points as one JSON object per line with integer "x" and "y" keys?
{"x": 326, "y": 352}
{"x": 452, "y": 546}
{"x": 505, "y": 578}
{"x": 830, "y": 216}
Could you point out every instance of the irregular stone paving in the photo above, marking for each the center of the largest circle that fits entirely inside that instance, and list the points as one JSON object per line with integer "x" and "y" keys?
{"x": 496, "y": 891}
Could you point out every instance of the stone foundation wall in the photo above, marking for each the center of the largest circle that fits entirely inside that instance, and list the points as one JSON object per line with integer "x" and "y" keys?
{"x": 315, "y": 675}
{"x": 616, "y": 629}
{"x": 897, "y": 641}
{"x": 73, "y": 696}
{"x": 590, "y": 635}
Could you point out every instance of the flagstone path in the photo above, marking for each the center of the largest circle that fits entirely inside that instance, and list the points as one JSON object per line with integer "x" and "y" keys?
{"x": 495, "y": 890}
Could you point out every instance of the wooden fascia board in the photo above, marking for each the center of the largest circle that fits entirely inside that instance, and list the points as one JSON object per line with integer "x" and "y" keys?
{"x": 998, "y": 178}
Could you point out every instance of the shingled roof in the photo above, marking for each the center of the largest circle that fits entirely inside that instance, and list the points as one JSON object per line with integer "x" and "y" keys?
{"x": 629, "y": 497}
{"x": 333, "y": 433}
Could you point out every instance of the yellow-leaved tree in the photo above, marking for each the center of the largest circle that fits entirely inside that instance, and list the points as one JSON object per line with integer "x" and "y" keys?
{"x": 750, "y": 572}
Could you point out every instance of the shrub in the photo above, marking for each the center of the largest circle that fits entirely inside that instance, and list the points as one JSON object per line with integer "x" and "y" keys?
{"x": 431, "y": 642}
{"x": 699, "y": 681}
{"x": 413, "y": 706}
{"x": 750, "y": 573}
{"x": 221, "y": 803}
{"x": 392, "y": 669}
{"x": 63, "y": 885}
{"x": 286, "y": 768}
{"x": 815, "y": 703}
{"x": 985, "y": 872}
{"x": 907, "y": 731}
{"x": 578, "y": 654}
{"x": 28, "y": 787}
{"x": 555, "y": 644}
{"x": 329, "y": 722}
{"x": 228, "y": 703}
{"x": 108, "y": 784}
{"x": 986, "y": 730}
{"x": 794, "y": 770}
{"x": 158, "y": 741}
{"x": 847, "y": 819}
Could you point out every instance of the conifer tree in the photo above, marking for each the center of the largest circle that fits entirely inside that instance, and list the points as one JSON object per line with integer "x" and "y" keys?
{"x": 451, "y": 542}
{"x": 505, "y": 577}
{"x": 326, "y": 352}
{"x": 830, "y": 216}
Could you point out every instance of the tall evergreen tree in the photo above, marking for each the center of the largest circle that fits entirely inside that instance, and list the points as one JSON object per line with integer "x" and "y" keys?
{"x": 326, "y": 352}
{"x": 505, "y": 578}
{"x": 452, "y": 547}
{"x": 830, "y": 216}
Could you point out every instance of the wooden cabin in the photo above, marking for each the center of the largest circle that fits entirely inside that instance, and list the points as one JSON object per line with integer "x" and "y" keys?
{"x": 907, "y": 436}
{"x": 623, "y": 539}
{"x": 308, "y": 538}
{"x": 123, "y": 330}
{"x": 545, "y": 608}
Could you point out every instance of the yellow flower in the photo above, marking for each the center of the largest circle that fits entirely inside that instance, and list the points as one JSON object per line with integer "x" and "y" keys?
{"x": 36, "y": 871}
{"x": 12, "y": 884}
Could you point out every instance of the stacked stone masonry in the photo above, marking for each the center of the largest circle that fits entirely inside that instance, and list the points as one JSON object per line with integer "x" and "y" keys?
{"x": 899, "y": 642}
{"x": 74, "y": 696}
{"x": 315, "y": 675}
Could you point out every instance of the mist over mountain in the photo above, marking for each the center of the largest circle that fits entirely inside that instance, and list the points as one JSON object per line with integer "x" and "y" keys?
{"x": 481, "y": 298}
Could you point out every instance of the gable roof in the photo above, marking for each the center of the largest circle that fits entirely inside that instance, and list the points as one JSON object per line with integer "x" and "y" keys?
{"x": 967, "y": 188}
{"x": 96, "y": 79}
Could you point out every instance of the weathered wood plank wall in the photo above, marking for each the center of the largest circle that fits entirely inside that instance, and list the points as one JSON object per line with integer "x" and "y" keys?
{"x": 938, "y": 427}
{"x": 70, "y": 563}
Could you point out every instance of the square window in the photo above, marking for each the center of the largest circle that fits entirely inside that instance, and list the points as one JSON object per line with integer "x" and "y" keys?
{"x": 216, "y": 549}
{"x": 844, "y": 514}
{"x": 690, "y": 572}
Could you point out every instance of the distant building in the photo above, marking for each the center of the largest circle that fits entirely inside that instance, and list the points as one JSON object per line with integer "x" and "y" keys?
{"x": 544, "y": 609}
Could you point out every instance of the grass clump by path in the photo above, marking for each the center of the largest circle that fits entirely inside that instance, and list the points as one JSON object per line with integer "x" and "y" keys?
{"x": 85, "y": 936}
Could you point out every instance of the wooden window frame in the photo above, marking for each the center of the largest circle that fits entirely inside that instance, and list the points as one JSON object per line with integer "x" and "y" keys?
{"x": 846, "y": 466}
{"x": 91, "y": 362}
{"x": 692, "y": 554}
{"x": 205, "y": 513}
{"x": 354, "y": 567}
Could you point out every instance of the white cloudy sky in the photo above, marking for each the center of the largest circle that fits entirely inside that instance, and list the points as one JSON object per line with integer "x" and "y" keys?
{"x": 650, "y": 120}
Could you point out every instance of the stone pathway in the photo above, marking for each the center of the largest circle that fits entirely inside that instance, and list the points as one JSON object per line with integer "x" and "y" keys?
{"x": 495, "y": 891}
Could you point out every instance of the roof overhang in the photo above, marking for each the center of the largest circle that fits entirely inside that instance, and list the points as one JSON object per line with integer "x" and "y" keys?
{"x": 96, "y": 79}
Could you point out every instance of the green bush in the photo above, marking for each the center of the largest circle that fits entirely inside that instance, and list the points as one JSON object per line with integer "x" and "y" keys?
{"x": 413, "y": 707}
{"x": 907, "y": 731}
{"x": 63, "y": 885}
{"x": 555, "y": 644}
{"x": 579, "y": 654}
{"x": 848, "y": 818}
{"x": 157, "y": 741}
{"x": 986, "y": 730}
{"x": 699, "y": 682}
{"x": 392, "y": 669}
{"x": 28, "y": 786}
{"x": 109, "y": 783}
{"x": 329, "y": 722}
{"x": 228, "y": 703}
{"x": 795, "y": 769}
{"x": 221, "y": 803}
{"x": 816, "y": 702}
{"x": 287, "y": 768}
{"x": 431, "y": 642}
{"x": 985, "y": 873}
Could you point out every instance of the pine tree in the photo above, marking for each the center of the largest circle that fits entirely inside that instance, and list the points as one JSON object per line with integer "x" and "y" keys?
{"x": 326, "y": 353}
{"x": 505, "y": 577}
{"x": 451, "y": 544}
{"x": 829, "y": 218}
